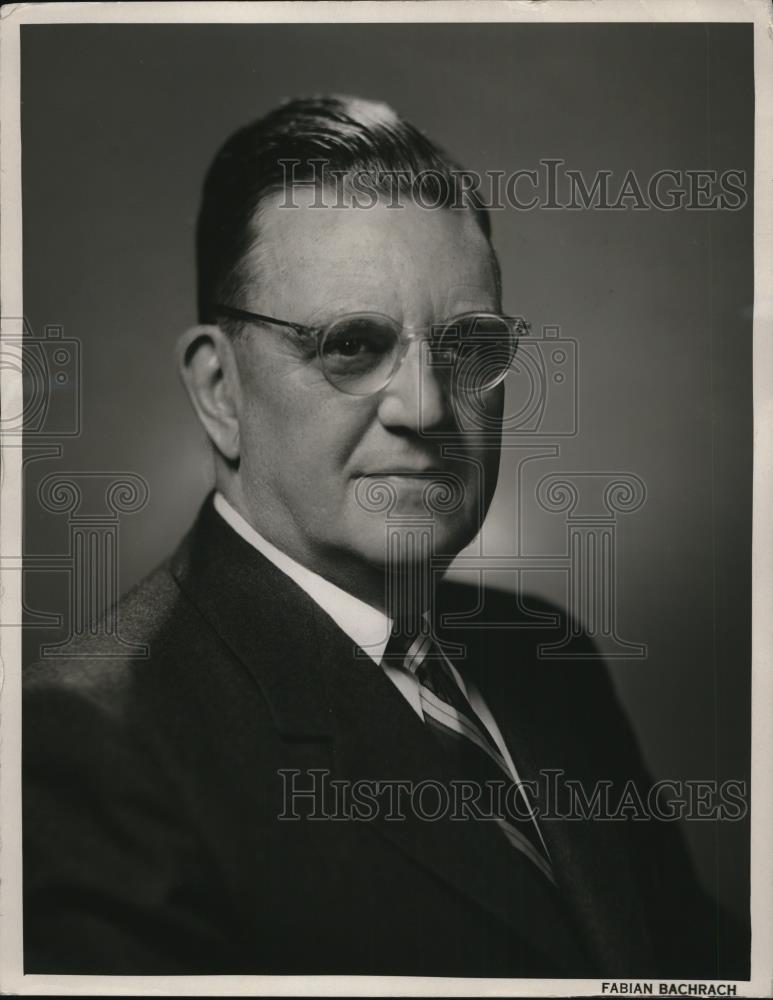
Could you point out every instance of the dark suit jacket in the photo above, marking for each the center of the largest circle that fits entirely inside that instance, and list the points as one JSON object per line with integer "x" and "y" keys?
{"x": 151, "y": 796}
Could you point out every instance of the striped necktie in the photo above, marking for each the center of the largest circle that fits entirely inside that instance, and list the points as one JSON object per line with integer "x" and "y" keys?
{"x": 468, "y": 743}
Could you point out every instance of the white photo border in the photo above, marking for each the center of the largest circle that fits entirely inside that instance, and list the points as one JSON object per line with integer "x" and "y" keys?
{"x": 12, "y": 17}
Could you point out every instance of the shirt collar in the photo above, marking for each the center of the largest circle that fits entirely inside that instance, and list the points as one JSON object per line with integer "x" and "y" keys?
{"x": 366, "y": 625}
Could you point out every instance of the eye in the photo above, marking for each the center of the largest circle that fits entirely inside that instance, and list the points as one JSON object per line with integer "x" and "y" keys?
{"x": 358, "y": 340}
{"x": 347, "y": 346}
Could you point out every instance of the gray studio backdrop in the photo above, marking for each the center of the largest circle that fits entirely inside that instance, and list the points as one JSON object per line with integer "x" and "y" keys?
{"x": 119, "y": 124}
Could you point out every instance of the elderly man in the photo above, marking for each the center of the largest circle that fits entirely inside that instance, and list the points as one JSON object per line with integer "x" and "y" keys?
{"x": 243, "y": 799}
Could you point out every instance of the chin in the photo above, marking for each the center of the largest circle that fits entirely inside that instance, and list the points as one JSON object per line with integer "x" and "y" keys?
{"x": 414, "y": 543}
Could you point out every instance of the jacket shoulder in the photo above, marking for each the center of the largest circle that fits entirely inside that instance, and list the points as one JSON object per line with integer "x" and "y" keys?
{"x": 130, "y": 642}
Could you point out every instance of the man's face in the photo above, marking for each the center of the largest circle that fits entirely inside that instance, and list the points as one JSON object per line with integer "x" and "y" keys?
{"x": 310, "y": 455}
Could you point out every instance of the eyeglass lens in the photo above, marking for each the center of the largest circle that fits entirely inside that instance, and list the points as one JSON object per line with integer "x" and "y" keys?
{"x": 359, "y": 354}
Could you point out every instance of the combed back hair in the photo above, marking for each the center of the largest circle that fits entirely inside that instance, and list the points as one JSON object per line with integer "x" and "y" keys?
{"x": 350, "y": 136}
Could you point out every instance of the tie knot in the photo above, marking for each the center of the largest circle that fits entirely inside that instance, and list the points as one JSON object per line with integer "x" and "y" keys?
{"x": 408, "y": 650}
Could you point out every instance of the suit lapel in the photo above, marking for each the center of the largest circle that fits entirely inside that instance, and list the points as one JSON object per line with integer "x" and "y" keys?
{"x": 320, "y": 687}
{"x": 380, "y": 737}
{"x": 260, "y": 614}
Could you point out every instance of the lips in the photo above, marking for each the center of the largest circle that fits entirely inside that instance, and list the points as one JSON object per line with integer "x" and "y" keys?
{"x": 422, "y": 473}
{"x": 415, "y": 468}
{"x": 404, "y": 472}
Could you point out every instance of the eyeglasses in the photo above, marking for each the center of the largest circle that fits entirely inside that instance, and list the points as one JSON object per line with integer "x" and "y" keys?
{"x": 360, "y": 353}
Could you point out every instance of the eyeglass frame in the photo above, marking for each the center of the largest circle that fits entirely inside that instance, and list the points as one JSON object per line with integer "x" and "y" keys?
{"x": 519, "y": 327}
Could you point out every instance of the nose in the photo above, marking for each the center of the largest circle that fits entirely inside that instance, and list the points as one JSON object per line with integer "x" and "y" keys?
{"x": 417, "y": 398}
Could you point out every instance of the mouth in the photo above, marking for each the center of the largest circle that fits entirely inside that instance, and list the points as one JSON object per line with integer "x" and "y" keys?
{"x": 408, "y": 478}
{"x": 418, "y": 472}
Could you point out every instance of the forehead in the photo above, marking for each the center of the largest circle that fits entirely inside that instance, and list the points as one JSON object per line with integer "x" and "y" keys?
{"x": 408, "y": 261}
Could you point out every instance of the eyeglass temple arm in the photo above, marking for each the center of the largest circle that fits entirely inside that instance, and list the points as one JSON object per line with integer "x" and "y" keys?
{"x": 250, "y": 317}
{"x": 520, "y": 326}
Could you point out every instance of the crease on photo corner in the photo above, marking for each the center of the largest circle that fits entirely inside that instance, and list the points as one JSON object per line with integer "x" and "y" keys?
{"x": 7, "y": 10}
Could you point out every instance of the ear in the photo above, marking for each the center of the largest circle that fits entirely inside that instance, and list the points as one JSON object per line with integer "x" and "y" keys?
{"x": 207, "y": 366}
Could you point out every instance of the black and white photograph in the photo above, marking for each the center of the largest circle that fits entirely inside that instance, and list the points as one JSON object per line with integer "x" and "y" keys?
{"x": 384, "y": 506}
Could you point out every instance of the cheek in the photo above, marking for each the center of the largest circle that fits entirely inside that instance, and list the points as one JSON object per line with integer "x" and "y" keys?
{"x": 491, "y": 408}
{"x": 301, "y": 438}
{"x": 479, "y": 420}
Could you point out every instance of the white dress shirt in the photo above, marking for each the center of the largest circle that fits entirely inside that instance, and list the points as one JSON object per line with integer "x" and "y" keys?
{"x": 368, "y": 627}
